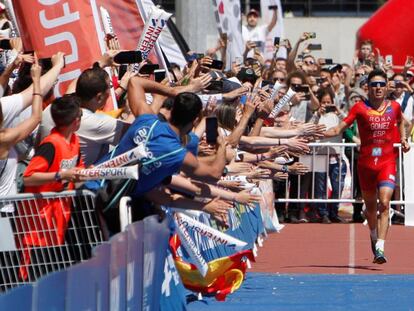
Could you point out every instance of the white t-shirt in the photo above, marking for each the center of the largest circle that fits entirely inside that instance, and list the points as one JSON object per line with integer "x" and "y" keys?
{"x": 330, "y": 120}
{"x": 11, "y": 107}
{"x": 408, "y": 112}
{"x": 257, "y": 33}
{"x": 300, "y": 112}
{"x": 96, "y": 133}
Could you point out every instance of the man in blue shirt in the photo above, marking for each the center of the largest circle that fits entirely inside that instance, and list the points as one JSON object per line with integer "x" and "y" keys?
{"x": 165, "y": 144}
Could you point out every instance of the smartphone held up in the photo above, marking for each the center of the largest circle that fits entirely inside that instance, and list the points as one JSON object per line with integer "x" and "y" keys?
{"x": 128, "y": 57}
{"x": 211, "y": 130}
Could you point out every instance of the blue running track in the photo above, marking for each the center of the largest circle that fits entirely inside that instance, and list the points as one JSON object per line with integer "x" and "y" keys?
{"x": 317, "y": 292}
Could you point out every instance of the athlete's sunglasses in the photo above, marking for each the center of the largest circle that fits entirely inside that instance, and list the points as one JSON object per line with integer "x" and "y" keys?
{"x": 377, "y": 84}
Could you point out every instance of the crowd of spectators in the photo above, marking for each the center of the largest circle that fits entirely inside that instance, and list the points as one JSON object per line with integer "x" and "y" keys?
{"x": 185, "y": 168}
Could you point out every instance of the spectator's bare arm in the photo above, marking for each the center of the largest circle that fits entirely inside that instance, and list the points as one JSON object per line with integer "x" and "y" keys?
{"x": 249, "y": 108}
{"x": 137, "y": 88}
{"x": 294, "y": 52}
{"x": 273, "y": 21}
{"x": 199, "y": 170}
{"x": 47, "y": 81}
{"x": 12, "y": 136}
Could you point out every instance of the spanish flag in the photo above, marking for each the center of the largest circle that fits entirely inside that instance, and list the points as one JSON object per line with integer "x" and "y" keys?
{"x": 225, "y": 275}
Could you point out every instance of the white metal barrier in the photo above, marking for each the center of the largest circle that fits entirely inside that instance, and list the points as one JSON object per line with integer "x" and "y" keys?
{"x": 319, "y": 162}
{"x": 42, "y": 233}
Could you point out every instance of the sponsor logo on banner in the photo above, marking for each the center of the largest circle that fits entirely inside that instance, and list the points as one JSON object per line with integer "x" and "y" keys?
{"x": 70, "y": 26}
{"x": 106, "y": 21}
{"x": 128, "y": 172}
{"x": 135, "y": 154}
{"x": 207, "y": 231}
{"x": 276, "y": 87}
{"x": 191, "y": 248}
{"x": 155, "y": 24}
{"x": 283, "y": 102}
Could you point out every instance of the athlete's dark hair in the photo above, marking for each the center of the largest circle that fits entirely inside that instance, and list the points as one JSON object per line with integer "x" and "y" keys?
{"x": 186, "y": 109}
{"x": 91, "y": 82}
{"x": 168, "y": 103}
{"x": 377, "y": 72}
{"x": 65, "y": 109}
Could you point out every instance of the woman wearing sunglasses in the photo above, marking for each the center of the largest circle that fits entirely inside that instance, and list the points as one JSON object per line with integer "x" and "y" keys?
{"x": 380, "y": 126}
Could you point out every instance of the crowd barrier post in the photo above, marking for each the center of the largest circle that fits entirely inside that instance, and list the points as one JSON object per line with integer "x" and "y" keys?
{"x": 155, "y": 239}
{"x": 50, "y": 291}
{"x": 135, "y": 266}
{"x": 408, "y": 185}
{"x": 18, "y": 299}
{"x": 118, "y": 271}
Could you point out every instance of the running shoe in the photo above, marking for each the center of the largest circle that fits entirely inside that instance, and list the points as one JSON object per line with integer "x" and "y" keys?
{"x": 379, "y": 257}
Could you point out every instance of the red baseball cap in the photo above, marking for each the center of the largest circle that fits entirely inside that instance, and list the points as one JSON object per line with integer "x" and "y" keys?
{"x": 254, "y": 12}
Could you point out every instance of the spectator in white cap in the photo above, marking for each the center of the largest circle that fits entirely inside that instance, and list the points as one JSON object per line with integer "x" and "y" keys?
{"x": 254, "y": 35}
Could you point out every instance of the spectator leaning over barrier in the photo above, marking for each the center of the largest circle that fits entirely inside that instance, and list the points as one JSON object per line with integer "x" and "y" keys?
{"x": 10, "y": 136}
{"x": 166, "y": 142}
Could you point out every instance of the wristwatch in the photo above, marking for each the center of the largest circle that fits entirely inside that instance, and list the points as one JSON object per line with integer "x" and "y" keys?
{"x": 58, "y": 177}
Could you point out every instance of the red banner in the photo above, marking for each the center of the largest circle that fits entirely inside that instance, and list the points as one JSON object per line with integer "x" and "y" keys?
{"x": 75, "y": 28}
{"x": 50, "y": 26}
{"x": 127, "y": 23}
{"x": 390, "y": 29}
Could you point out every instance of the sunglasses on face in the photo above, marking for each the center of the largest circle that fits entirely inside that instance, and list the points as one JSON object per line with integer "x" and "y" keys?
{"x": 358, "y": 74}
{"x": 309, "y": 62}
{"x": 377, "y": 84}
{"x": 279, "y": 79}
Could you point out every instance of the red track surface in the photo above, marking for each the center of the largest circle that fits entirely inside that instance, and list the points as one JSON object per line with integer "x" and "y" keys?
{"x": 334, "y": 248}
